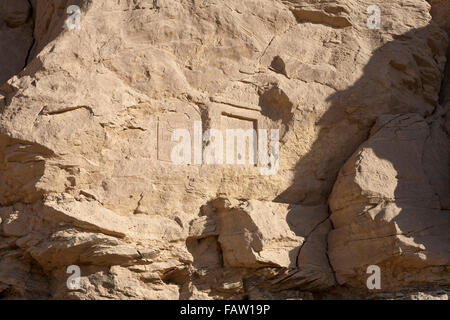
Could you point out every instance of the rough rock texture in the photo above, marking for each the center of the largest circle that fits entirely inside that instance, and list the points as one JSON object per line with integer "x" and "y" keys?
{"x": 86, "y": 177}
{"x": 390, "y": 205}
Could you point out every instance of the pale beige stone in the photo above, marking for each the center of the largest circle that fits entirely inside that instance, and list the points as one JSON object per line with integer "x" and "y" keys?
{"x": 86, "y": 121}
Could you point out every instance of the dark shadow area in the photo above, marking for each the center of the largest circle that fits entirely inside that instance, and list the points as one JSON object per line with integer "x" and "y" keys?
{"x": 398, "y": 79}
{"x": 22, "y": 165}
{"x": 444, "y": 96}
{"x": 275, "y": 105}
{"x": 16, "y": 36}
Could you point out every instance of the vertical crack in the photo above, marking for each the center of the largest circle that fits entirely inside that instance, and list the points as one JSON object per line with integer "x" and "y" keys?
{"x": 327, "y": 247}
{"x": 33, "y": 18}
{"x": 307, "y": 236}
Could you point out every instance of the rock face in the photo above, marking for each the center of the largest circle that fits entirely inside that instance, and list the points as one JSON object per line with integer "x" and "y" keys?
{"x": 390, "y": 205}
{"x": 355, "y": 122}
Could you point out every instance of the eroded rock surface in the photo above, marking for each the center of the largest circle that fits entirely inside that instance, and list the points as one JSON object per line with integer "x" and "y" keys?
{"x": 86, "y": 174}
{"x": 390, "y": 205}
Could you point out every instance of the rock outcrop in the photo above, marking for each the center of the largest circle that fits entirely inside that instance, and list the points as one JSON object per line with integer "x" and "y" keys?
{"x": 356, "y": 121}
{"x": 390, "y": 205}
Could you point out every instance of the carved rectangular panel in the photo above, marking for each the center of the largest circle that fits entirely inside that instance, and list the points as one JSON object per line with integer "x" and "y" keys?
{"x": 243, "y": 127}
{"x": 166, "y": 127}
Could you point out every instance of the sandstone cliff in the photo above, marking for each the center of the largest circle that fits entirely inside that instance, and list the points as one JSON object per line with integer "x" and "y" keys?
{"x": 363, "y": 168}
